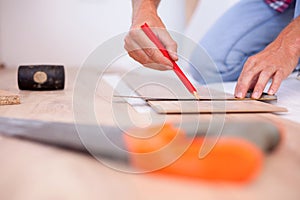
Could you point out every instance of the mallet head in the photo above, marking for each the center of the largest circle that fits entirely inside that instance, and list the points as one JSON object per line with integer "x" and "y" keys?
{"x": 41, "y": 77}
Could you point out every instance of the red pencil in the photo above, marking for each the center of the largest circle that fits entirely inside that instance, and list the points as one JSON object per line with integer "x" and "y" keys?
{"x": 176, "y": 68}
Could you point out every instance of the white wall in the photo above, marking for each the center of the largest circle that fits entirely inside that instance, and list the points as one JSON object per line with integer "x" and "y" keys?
{"x": 66, "y": 31}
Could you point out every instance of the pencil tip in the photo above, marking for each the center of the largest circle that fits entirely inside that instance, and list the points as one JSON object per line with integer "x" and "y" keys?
{"x": 196, "y": 95}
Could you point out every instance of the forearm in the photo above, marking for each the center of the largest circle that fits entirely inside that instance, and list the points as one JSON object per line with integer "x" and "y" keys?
{"x": 142, "y": 49}
{"x": 144, "y": 6}
{"x": 289, "y": 39}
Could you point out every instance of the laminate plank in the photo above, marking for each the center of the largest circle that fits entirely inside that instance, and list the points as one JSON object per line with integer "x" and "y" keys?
{"x": 234, "y": 106}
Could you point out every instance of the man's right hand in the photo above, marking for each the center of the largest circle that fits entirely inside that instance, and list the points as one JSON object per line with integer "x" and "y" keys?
{"x": 139, "y": 46}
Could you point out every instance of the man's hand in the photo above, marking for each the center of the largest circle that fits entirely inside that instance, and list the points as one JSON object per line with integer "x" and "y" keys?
{"x": 275, "y": 62}
{"x": 139, "y": 46}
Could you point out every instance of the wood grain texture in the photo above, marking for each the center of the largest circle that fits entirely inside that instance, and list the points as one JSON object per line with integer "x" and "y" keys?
{"x": 32, "y": 171}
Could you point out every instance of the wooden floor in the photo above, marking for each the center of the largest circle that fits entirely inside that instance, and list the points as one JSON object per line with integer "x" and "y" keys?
{"x": 30, "y": 170}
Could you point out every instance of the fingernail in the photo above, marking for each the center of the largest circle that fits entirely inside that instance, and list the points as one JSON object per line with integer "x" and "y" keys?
{"x": 239, "y": 95}
{"x": 175, "y": 56}
{"x": 271, "y": 92}
{"x": 255, "y": 95}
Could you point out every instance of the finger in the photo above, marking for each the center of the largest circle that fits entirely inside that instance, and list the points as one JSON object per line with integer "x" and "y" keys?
{"x": 135, "y": 51}
{"x": 140, "y": 56}
{"x": 253, "y": 83}
{"x": 277, "y": 79}
{"x": 245, "y": 79}
{"x": 261, "y": 83}
{"x": 170, "y": 44}
{"x": 156, "y": 66}
{"x": 149, "y": 48}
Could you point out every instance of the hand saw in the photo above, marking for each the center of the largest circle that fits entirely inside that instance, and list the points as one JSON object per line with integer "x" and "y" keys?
{"x": 169, "y": 149}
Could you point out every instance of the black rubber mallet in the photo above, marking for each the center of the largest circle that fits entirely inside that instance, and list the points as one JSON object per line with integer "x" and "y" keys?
{"x": 41, "y": 77}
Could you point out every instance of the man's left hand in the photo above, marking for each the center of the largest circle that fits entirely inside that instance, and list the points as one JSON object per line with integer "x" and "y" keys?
{"x": 274, "y": 63}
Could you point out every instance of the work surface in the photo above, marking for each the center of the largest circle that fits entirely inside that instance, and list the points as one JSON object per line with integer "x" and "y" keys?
{"x": 30, "y": 170}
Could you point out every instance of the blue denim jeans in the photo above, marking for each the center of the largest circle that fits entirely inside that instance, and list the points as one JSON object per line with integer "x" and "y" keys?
{"x": 244, "y": 30}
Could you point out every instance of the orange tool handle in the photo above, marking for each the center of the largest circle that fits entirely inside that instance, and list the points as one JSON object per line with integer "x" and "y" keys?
{"x": 168, "y": 151}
